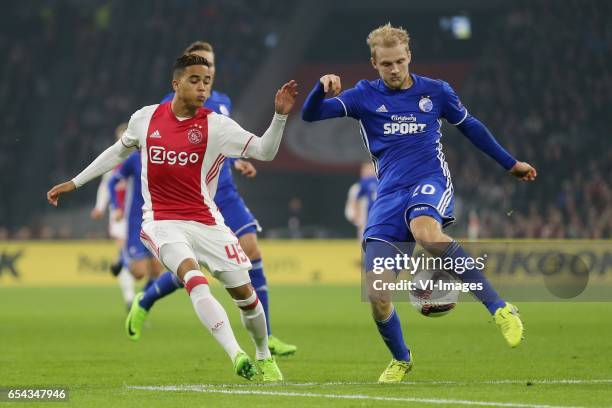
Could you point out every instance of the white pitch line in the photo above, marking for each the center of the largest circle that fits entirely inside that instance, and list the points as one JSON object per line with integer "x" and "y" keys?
{"x": 343, "y": 396}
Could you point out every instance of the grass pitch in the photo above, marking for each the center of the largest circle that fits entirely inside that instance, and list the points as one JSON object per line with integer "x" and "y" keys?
{"x": 74, "y": 337}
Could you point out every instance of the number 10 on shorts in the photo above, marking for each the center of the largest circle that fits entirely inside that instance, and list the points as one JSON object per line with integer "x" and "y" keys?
{"x": 234, "y": 251}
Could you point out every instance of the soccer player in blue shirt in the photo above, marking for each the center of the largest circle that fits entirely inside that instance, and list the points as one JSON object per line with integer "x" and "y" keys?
{"x": 399, "y": 117}
{"x": 236, "y": 214}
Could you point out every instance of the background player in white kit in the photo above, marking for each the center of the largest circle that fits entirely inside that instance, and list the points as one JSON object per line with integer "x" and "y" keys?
{"x": 117, "y": 229}
{"x": 183, "y": 146}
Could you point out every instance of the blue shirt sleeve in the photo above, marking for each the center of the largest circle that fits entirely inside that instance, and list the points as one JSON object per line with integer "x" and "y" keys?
{"x": 316, "y": 107}
{"x": 452, "y": 108}
{"x": 350, "y": 100}
{"x": 167, "y": 98}
{"x": 125, "y": 171}
{"x": 112, "y": 184}
{"x": 480, "y": 136}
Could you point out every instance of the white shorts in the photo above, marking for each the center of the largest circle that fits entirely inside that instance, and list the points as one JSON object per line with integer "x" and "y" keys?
{"x": 117, "y": 229}
{"x": 214, "y": 246}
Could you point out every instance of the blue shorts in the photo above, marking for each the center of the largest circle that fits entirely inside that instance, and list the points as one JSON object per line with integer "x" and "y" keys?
{"x": 238, "y": 217}
{"x": 390, "y": 215}
{"x": 134, "y": 249}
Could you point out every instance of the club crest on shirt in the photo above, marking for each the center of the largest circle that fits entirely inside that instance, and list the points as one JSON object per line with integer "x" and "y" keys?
{"x": 194, "y": 135}
{"x": 425, "y": 104}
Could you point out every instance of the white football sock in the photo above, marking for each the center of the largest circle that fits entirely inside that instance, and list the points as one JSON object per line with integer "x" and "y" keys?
{"x": 126, "y": 284}
{"x": 254, "y": 320}
{"x": 211, "y": 313}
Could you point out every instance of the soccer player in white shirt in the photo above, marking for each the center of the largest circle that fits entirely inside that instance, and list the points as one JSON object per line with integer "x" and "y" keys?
{"x": 117, "y": 230}
{"x": 183, "y": 146}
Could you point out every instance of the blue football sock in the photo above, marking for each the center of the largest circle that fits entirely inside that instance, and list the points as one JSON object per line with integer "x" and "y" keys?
{"x": 258, "y": 280}
{"x": 163, "y": 286}
{"x": 488, "y": 296}
{"x": 147, "y": 285}
{"x": 391, "y": 332}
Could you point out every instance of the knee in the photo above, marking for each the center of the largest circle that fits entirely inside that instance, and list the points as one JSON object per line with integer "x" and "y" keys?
{"x": 138, "y": 270}
{"x": 253, "y": 252}
{"x": 243, "y": 292}
{"x": 426, "y": 231}
{"x": 249, "y": 245}
{"x": 186, "y": 266}
{"x": 381, "y": 308}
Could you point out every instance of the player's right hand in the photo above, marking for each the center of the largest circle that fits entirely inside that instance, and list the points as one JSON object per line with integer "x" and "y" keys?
{"x": 96, "y": 214}
{"x": 331, "y": 83}
{"x": 245, "y": 168}
{"x": 56, "y": 191}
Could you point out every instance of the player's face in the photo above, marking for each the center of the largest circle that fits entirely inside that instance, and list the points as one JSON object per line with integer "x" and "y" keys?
{"x": 210, "y": 57}
{"x": 193, "y": 87}
{"x": 392, "y": 65}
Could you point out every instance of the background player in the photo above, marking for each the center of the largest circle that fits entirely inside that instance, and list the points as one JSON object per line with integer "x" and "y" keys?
{"x": 361, "y": 196}
{"x": 235, "y": 212}
{"x": 399, "y": 116}
{"x": 141, "y": 262}
{"x": 117, "y": 228}
{"x": 183, "y": 146}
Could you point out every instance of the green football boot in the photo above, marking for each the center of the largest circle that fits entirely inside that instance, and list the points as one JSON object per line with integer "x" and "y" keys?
{"x": 396, "y": 371}
{"x": 135, "y": 319}
{"x": 269, "y": 370}
{"x": 510, "y": 324}
{"x": 279, "y": 348}
{"x": 243, "y": 366}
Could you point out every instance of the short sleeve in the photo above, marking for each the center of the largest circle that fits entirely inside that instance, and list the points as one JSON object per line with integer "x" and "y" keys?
{"x": 234, "y": 139}
{"x": 453, "y": 110}
{"x": 350, "y": 102}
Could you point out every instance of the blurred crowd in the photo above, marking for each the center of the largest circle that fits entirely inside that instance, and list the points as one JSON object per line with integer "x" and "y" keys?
{"x": 92, "y": 64}
{"x": 543, "y": 85}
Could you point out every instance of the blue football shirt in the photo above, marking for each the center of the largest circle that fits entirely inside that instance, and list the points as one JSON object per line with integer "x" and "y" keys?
{"x": 401, "y": 128}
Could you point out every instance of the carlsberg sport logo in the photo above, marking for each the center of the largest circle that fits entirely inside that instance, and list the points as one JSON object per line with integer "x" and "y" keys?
{"x": 403, "y": 125}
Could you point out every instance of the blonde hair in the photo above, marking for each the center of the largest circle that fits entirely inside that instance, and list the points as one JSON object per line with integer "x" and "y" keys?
{"x": 198, "y": 46}
{"x": 387, "y": 36}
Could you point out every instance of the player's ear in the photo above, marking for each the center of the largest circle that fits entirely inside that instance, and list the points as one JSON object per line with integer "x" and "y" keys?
{"x": 175, "y": 85}
{"x": 409, "y": 56}
{"x": 373, "y": 62}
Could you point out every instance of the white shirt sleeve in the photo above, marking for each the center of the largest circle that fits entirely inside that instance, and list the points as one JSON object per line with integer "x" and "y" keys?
{"x": 118, "y": 152}
{"x": 237, "y": 142}
{"x": 130, "y": 136}
{"x": 106, "y": 161}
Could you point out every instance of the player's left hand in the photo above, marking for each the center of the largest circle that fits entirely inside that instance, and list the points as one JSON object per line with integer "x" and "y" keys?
{"x": 524, "y": 171}
{"x": 245, "y": 168}
{"x": 56, "y": 191}
{"x": 285, "y": 98}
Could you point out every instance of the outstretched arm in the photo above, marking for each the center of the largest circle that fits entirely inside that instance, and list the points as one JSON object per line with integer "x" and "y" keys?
{"x": 237, "y": 142}
{"x": 316, "y": 107}
{"x": 103, "y": 163}
{"x": 482, "y": 138}
{"x": 265, "y": 147}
